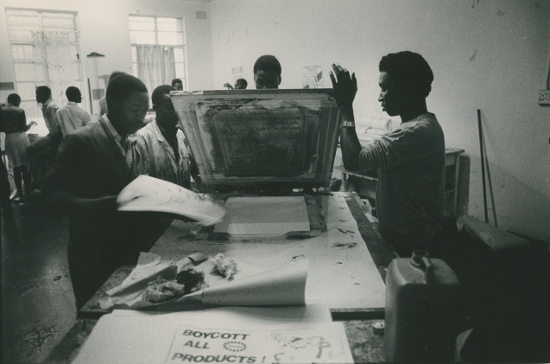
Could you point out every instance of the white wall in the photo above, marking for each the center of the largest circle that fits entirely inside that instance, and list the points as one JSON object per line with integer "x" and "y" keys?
{"x": 103, "y": 26}
{"x": 486, "y": 54}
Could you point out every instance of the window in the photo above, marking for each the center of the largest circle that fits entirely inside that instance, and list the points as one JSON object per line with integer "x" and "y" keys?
{"x": 45, "y": 51}
{"x": 158, "y": 50}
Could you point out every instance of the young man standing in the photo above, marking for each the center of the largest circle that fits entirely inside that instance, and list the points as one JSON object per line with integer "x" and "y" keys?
{"x": 160, "y": 145}
{"x": 92, "y": 167}
{"x": 410, "y": 160}
{"x": 43, "y": 150}
{"x": 71, "y": 117}
{"x": 103, "y": 101}
{"x": 267, "y": 72}
{"x": 14, "y": 124}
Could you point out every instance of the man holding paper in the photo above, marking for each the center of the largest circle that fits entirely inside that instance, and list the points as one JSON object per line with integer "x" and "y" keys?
{"x": 92, "y": 167}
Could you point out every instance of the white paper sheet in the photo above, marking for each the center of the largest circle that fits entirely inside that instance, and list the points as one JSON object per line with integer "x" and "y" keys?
{"x": 284, "y": 285}
{"x": 269, "y": 215}
{"x": 140, "y": 337}
{"x": 147, "y": 193}
{"x": 342, "y": 273}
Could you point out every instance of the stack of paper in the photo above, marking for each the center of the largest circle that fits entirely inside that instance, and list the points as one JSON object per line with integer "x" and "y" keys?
{"x": 267, "y": 215}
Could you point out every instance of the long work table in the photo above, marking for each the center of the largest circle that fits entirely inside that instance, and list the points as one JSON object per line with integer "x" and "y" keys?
{"x": 348, "y": 263}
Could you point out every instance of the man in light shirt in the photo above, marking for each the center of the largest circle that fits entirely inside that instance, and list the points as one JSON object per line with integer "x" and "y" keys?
{"x": 42, "y": 151}
{"x": 71, "y": 117}
{"x": 160, "y": 145}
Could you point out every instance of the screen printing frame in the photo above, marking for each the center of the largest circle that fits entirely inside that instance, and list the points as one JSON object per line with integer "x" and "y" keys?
{"x": 260, "y": 139}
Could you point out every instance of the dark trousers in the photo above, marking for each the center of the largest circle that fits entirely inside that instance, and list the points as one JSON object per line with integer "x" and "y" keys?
{"x": 4, "y": 186}
{"x": 96, "y": 251}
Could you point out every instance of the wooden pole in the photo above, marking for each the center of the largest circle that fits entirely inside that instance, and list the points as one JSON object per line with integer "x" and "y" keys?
{"x": 481, "y": 149}
{"x": 91, "y": 98}
{"x": 490, "y": 183}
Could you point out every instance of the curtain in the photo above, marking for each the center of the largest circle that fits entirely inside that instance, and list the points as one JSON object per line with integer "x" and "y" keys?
{"x": 56, "y": 62}
{"x": 155, "y": 64}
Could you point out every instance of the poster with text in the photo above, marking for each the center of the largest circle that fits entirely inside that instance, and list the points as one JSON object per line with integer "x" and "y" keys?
{"x": 317, "y": 343}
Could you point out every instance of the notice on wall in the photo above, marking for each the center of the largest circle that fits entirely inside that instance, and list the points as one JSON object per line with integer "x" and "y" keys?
{"x": 313, "y": 77}
{"x": 319, "y": 343}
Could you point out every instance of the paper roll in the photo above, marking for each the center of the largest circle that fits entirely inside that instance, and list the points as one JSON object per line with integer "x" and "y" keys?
{"x": 279, "y": 287}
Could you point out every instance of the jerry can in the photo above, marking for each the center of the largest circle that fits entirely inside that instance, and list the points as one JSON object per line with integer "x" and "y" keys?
{"x": 422, "y": 310}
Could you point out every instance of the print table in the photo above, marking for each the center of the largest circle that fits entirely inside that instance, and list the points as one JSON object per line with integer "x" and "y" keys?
{"x": 346, "y": 256}
{"x": 332, "y": 260}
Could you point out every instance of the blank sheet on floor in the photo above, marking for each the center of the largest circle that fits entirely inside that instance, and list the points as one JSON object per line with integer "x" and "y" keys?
{"x": 267, "y": 215}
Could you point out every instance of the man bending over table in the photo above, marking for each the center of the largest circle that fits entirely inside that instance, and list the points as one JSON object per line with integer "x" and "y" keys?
{"x": 92, "y": 167}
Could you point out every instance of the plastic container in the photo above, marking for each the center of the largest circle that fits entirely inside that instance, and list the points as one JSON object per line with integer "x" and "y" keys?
{"x": 422, "y": 306}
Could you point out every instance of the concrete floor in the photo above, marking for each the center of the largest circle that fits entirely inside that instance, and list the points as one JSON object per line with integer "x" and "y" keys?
{"x": 38, "y": 306}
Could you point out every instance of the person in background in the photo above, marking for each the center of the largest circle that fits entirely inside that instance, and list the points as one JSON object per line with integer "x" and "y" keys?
{"x": 103, "y": 101}
{"x": 410, "y": 160}
{"x": 177, "y": 84}
{"x": 43, "y": 150}
{"x": 240, "y": 84}
{"x": 14, "y": 124}
{"x": 267, "y": 72}
{"x": 92, "y": 167}
{"x": 4, "y": 181}
{"x": 161, "y": 149}
{"x": 71, "y": 116}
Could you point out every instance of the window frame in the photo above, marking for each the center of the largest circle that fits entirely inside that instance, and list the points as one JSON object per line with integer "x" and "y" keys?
{"x": 10, "y": 12}
{"x": 183, "y": 46}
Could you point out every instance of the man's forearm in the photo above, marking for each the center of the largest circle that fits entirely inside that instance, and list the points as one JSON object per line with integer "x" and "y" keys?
{"x": 349, "y": 142}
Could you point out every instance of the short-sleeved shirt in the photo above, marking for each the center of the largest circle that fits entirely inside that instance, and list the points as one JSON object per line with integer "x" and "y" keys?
{"x": 49, "y": 111}
{"x": 410, "y": 189}
{"x": 71, "y": 117}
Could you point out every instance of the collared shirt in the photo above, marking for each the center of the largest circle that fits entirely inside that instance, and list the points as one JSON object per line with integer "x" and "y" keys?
{"x": 121, "y": 142}
{"x": 71, "y": 117}
{"x": 157, "y": 158}
{"x": 49, "y": 111}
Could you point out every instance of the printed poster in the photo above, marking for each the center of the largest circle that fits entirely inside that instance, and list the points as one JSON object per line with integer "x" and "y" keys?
{"x": 318, "y": 343}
